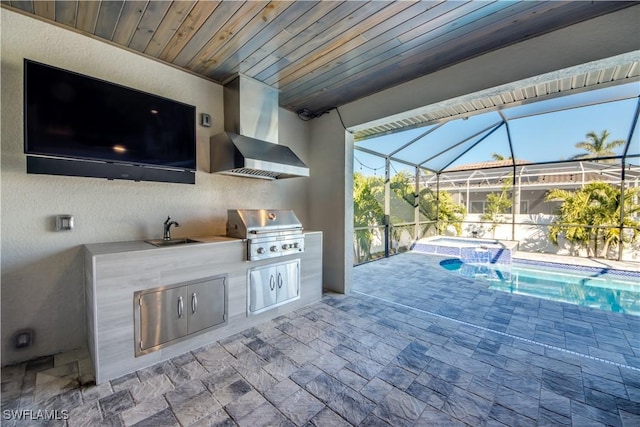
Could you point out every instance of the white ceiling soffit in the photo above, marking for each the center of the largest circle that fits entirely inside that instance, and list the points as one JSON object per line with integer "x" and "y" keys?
{"x": 623, "y": 68}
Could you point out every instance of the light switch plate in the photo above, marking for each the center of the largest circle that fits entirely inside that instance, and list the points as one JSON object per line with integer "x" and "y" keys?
{"x": 64, "y": 222}
{"x": 205, "y": 120}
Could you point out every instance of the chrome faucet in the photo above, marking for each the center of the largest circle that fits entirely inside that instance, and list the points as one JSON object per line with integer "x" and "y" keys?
{"x": 167, "y": 228}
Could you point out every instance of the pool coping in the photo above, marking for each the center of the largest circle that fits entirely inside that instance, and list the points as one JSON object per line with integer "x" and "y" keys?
{"x": 601, "y": 263}
{"x": 572, "y": 267}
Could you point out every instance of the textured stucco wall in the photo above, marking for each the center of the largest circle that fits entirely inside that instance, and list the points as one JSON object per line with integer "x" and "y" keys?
{"x": 42, "y": 272}
{"x": 331, "y": 154}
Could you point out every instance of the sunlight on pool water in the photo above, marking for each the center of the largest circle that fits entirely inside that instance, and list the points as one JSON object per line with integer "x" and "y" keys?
{"x": 592, "y": 287}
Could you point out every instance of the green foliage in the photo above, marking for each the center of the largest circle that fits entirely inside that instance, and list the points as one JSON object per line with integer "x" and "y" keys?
{"x": 367, "y": 211}
{"x": 498, "y": 204}
{"x": 368, "y": 207}
{"x": 448, "y": 213}
{"x": 597, "y": 146}
{"x": 597, "y": 204}
{"x": 499, "y": 157}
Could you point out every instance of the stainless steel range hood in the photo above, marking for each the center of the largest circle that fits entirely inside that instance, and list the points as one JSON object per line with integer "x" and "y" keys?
{"x": 249, "y": 146}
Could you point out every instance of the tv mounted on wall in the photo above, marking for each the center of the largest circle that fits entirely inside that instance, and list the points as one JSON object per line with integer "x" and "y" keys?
{"x": 81, "y": 126}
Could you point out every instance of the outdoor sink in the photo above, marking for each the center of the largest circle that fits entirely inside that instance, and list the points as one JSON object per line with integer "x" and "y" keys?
{"x": 171, "y": 242}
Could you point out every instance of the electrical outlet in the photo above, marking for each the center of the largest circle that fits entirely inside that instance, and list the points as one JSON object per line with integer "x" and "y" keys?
{"x": 64, "y": 222}
{"x": 23, "y": 338}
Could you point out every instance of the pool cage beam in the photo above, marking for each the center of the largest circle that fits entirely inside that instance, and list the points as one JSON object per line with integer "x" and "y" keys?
{"x": 416, "y": 203}
{"x": 384, "y": 156}
{"x": 387, "y": 204}
{"x": 416, "y": 139}
{"x": 495, "y": 128}
{"x": 515, "y": 201}
{"x": 622, "y": 176}
{"x": 457, "y": 145}
{"x": 515, "y": 184}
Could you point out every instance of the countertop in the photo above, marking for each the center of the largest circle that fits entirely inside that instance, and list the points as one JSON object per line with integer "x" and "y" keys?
{"x": 141, "y": 245}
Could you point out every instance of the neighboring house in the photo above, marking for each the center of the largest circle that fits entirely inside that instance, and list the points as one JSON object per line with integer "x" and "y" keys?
{"x": 470, "y": 184}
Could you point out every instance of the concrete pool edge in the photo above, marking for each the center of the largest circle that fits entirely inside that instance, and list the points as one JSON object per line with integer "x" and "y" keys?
{"x": 468, "y": 249}
{"x": 579, "y": 261}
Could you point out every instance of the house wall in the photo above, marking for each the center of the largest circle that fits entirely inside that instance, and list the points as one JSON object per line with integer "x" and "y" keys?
{"x": 41, "y": 285}
{"x": 533, "y": 198}
{"x": 578, "y": 44}
{"x": 532, "y": 233}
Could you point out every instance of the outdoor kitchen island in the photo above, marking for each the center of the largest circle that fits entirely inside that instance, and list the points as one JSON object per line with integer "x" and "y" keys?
{"x": 119, "y": 274}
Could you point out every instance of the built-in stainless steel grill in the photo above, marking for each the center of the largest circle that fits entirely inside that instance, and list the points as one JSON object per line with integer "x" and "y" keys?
{"x": 269, "y": 233}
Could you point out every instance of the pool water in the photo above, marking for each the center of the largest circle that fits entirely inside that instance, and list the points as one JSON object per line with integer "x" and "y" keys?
{"x": 610, "y": 290}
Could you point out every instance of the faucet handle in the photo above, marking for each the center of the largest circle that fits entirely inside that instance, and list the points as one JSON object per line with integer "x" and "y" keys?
{"x": 168, "y": 219}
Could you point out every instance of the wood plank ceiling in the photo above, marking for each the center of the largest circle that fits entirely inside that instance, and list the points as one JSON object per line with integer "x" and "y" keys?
{"x": 320, "y": 54}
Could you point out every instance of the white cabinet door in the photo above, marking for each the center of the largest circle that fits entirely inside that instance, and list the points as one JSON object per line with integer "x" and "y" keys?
{"x": 262, "y": 288}
{"x": 288, "y": 280}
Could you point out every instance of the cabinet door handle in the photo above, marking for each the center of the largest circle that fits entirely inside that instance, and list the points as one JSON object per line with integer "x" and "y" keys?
{"x": 279, "y": 281}
{"x": 180, "y": 307}
{"x": 272, "y": 282}
{"x": 194, "y": 303}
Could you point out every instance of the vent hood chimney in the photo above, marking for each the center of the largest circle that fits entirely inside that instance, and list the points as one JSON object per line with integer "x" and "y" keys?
{"x": 249, "y": 146}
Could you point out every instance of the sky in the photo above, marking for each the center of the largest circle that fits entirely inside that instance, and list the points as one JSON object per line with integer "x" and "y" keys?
{"x": 538, "y": 138}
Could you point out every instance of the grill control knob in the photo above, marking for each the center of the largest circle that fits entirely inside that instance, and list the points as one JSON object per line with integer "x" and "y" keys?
{"x": 295, "y": 245}
{"x": 273, "y": 248}
{"x": 261, "y": 250}
{"x": 285, "y": 246}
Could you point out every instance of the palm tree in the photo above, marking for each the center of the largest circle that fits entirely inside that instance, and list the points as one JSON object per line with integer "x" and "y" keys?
{"x": 571, "y": 218}
{"x": 367, "y": 212}
{"x": 449, "y": 213}
{"x": 606, "y": 212}
{"x": 499, "y": 157}
{"x": 497, "y": 205}
{"x": 593, "y": 213}
{"x": 597, "y": 146}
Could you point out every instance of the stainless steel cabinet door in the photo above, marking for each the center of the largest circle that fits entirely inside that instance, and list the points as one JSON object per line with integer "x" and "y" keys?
{"x": 288, "y": 280}
{"x": 205, "y": 304}
{"x": 163, "y": 317}
{"x": 262, "y": 288}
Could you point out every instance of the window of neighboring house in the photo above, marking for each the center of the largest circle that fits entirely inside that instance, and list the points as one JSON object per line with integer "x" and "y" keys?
{"x": 552, "y": 206}
{"x": 524, "y": 206}
{"x": 477, "y": 207}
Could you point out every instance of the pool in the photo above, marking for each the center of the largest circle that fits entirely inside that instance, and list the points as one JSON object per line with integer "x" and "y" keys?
{"x": 469, "y": 250}
{"x": 606, "y": 289}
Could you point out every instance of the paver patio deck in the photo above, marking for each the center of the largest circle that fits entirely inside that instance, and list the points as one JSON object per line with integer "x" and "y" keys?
{"x": 411, "y": 345}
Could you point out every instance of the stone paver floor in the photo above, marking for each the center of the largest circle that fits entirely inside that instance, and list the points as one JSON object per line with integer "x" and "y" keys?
{"x": 411, "y": 345}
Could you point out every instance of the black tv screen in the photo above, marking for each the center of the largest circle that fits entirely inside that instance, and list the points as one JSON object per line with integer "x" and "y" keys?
{"x": 73, "y": 116}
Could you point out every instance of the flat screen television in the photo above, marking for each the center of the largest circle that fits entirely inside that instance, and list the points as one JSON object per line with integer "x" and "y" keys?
{"x": 82, "y": 126}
